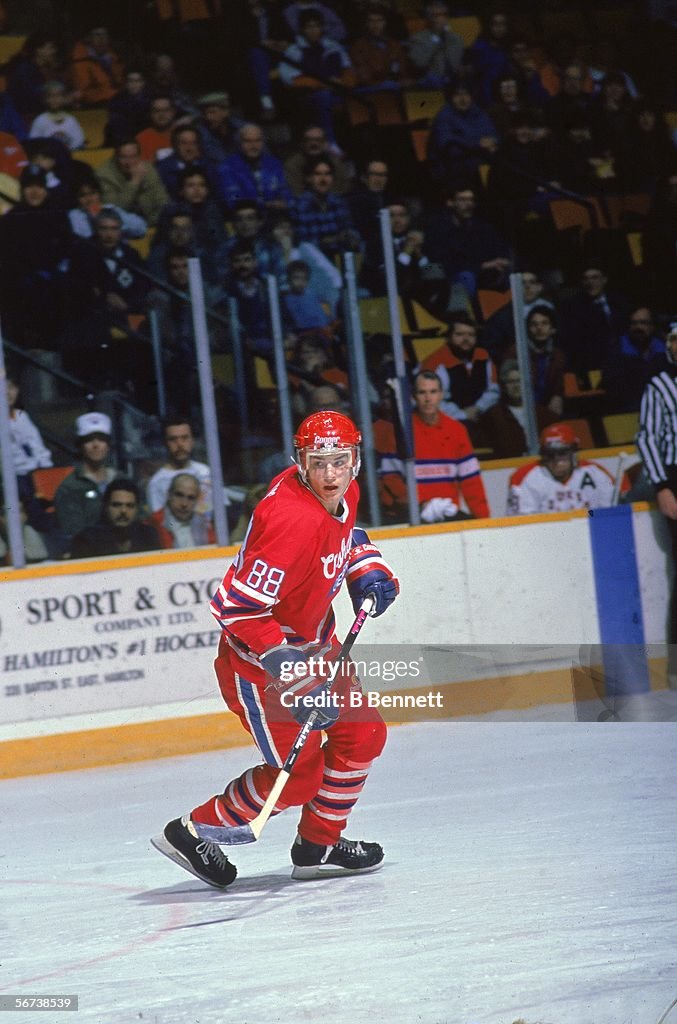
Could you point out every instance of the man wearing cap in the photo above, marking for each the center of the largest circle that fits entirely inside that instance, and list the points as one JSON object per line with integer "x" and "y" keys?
{"x": 217, "y": 127}
{"x": 657, "y": 444}
{"x": 78, "y": 498}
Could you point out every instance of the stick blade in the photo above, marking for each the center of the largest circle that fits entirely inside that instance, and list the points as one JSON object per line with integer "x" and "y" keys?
{"x": 226, "y": 835}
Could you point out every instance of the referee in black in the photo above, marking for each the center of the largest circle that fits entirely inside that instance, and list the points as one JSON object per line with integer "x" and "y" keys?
{"x": 657, "y": 444}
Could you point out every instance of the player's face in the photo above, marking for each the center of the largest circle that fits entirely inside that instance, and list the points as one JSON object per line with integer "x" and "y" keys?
{"x": 329, "y": 476}
{"x": 179, "y": 442}
{"x": 560, "y": 465}
{"x": 121, "y": 509}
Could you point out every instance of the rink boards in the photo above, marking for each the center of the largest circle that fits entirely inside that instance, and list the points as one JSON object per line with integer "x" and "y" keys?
{"x": 111, "y": 661}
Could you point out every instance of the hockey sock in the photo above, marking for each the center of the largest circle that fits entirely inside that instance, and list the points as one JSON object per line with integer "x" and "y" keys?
{"x": 325, "y": 816}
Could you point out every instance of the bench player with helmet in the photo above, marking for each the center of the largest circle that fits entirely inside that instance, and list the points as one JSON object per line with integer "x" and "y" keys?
{"x": 560, "y": 481}
{"x": 275, "y": 609}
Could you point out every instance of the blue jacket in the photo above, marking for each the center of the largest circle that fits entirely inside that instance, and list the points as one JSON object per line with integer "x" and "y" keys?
{"x": 238, "y": 181}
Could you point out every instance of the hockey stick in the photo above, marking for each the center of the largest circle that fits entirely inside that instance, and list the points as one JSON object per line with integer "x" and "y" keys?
{"x": 618, "y": 482}
{"x": 238, "y": 835}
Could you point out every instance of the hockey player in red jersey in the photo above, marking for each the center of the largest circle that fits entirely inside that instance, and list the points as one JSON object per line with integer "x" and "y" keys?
{"x": 560, "y": 481}
{"x": 275, "y": 609}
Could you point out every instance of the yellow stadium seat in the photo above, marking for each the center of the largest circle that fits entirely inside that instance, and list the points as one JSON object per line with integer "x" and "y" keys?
{"x": 93, "y": 157}
{"x": 93, "y": 124}
{"x": 422, "y": 104}
{"x": 9, "y": 46}
{"x": 468, "y": 28}
{"x": 262, "y": 373}
{"x": 621, "y": 427}
{"x": 423, "y": 347}
{"x": 142, "y": 245}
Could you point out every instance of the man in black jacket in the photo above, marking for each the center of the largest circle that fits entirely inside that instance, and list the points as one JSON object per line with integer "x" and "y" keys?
{"x": 118, "y": 532}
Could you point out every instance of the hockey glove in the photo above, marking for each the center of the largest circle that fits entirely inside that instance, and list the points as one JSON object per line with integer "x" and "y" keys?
{"x": 369, "y": 573}
{"x": 292, "y": 683}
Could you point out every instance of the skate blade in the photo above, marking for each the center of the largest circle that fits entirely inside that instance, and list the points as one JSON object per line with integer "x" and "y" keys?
{"x": 164, "y": 846}
{"x": 307, "y": 874}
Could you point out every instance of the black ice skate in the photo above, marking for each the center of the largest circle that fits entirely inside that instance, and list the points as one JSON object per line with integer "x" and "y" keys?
{"x": 181, "y": 844}
{"x": 347, "y": 857}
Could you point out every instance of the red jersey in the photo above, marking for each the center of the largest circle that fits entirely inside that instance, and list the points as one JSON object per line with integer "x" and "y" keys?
{"x": 290, "y": 567}
{"x": 446, "y": 464}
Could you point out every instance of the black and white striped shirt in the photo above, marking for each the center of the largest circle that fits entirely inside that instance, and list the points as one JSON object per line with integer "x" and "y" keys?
{"x": 657, "y": 435}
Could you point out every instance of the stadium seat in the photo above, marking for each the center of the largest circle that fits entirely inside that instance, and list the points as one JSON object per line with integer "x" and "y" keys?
{"x": 423, "y": 347}
{"x": 381, "y": 108}
{"x": 634, "y": 240}
{"x": 142, "y": 245}
{"x": 93, "y": 124}
{"x": 92, "y": 157}
{"x": 467, "y": 27}
{"x": 9, "y": 46}
{"x": 421, "y": 105}
{"x": 574, "y": 388}
{"x": 491, "y": 301}
{"x": 46, "y": 481}
{"x": 419, "y": 141}
{"x": 568, "y": 213}
{"x": 621, "y": 427}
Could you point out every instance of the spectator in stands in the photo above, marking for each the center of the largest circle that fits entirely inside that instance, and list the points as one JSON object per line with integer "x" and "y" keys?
{"x": 462, "y": 137}
{"x": 34, "y": 546}
{"x": 175, "y": 231}
{"x": 334, "y": 26}
{"x": 503, "y": 425}
{"x": 55, "y": 122}
{"x": 177, "y": 524}
{"x": 317, "y": 69}
{"x": 548, "y": 361}
{"x": 180, "y": 442}
{"x": 468, "y": 248}
{"x": 572, "y": 102}
{"x": 302, "y": 306}
{"x": 62, "y": 172}
{"x": 325, "y": 278}
{"x": 262, "y": 31}
{"x": 13, "y": 157}
{"x": 499, "y": 330}
{"x": 538, "y": 79}
{"x": 314, "y": 143}
{"x": 559, "y": 481}
{"x": 253, "y": 173}
{"x": 447, "y": 470}
{"x": 128, "y": 109}
{"x": 175, "y": 323}
{"x": 320, "y": 216}
{"x": 312, "y": 367}
{"x": 209, "y": 233}
{"x": 163, "y": 78}
{"x": 467, "y": 374}
{"x": 185, "y": 152}
{"x": 97, "y": 72}
{"x": 380, "y": 62}
{"x": 119, "y": 531}
{"x": 524, "y": 171}
{"x": 244, "y": 284}
{"x": 436, "y": 52}
{"x": 648, "y": 154}
{"x": 90, "y": 205}
{"x": 27, "y": 72}
{"x": 370, "y": 197}
{"x": 77, "y": 500}
{"x": 29, "y": 452}
{"x": 508, "y": 100}
{"x": 217, "y": 127}
{"x": 490, "y": 53}
{"x": 416, "y": 278}
{"x": 132, "y": 183}
{"x": 105, "y": 273}
{"x": 585, "y": 165}
{"x": 35, "y": 245}
{"x": 155, "y": 141}
{"x": 637, "y": 356}
{"x": 247, "y": 224}
{"x": 611, "y": 112}
{"x": 592, "y": 321}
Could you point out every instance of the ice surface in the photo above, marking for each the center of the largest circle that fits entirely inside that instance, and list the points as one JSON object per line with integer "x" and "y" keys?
{"x": 531, "y": 872}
